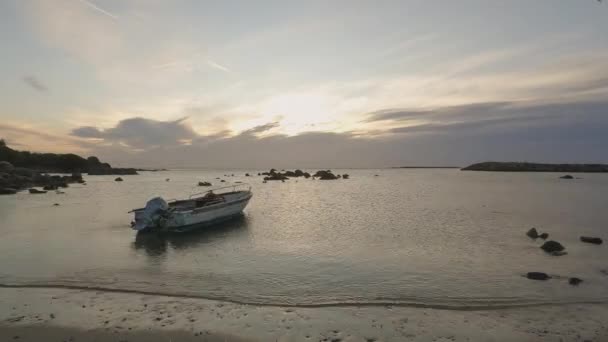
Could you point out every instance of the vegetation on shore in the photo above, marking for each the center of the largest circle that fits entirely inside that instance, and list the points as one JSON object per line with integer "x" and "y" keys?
{"x": 59, "y": 163}
{"x": 535, "y": 167}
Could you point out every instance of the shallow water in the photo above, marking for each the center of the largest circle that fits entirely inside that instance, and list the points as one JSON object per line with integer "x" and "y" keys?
{"x": 438, "y": 238}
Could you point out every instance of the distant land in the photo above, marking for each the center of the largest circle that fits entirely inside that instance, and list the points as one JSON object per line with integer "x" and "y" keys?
{"x": 59, "y": 163}
{"x": 425, "y": 167}
{"x": 535, "y": 167}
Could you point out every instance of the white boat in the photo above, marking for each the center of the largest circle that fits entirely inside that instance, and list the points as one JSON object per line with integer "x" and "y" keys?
{"x": 201, "y": 209}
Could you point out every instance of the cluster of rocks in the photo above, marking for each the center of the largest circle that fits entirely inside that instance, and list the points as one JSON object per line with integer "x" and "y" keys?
{"x": 328, "y": 175}
{"x": 274, "y": 175}
{"x": 557, "y": 249}
{"x": 282, "y": 176}
{"x": 14, "y": 179}
{"x": 204, "y": 184}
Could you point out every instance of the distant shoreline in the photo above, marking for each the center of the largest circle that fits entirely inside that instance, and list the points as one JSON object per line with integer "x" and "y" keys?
{"x": 537, "y": 167}
{"x": 425, "y": 167}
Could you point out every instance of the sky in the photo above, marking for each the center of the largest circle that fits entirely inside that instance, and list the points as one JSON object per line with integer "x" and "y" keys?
{"x": 216, "y": 84}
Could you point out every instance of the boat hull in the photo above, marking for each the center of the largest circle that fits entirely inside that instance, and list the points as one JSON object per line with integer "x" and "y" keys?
{"x": 183, "y": 221}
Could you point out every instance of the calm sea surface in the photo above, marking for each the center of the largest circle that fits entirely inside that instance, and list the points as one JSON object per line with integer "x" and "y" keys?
{"x": 444, "y": 238}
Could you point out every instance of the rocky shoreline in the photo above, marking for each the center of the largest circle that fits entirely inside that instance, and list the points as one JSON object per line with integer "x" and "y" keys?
{"x": 14, "y": 179}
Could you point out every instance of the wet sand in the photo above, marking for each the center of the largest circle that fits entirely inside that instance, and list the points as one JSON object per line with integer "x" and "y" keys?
{"x": 77, "y": 315}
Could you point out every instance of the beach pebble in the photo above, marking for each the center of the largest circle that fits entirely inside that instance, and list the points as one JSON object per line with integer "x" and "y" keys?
{"x": 537, "y": 276}
{"x": 593, "y": 240}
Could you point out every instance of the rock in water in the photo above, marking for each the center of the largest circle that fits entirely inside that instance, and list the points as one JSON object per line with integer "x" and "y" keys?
{"x": 537, "y": 276}
{"x": 566, "y": 177}
{"x": 593, "y": 240}
{"x": 574, "y": 281}
{"x": 36, "y": 191}
{"x": 204, "y": 184}
{"x": 119, "y": 179}
{"x": 532, "y": 233}
{"x": 543, "y": 236}
{"x": 8, "y": 191}
{"x": 552, "y": 247}
{"x": 6, "y": 166}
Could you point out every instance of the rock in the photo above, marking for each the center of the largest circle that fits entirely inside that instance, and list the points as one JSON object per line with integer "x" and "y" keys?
{"x": 36, "y": 191}
{"x": 247, "y": 175}
{"x": 532, "y": 233}
{"x": 168, "y": 179}
{"x": 566, "y": 177}
{"x": 204, "y": 184}
{"x": 574, "y": 281}
{"x": 552, "y": 247}
{"x": 118, "y": 179}
{"x": 346, "y": 176}
{"x": 6, "y": 166}
{"x": 537, "y": 276}
{"x": 56, "y": 204}
{"x": 50, "y": 187}
{"x": 8, "y": 191}
{"x": 593, "y": 240}
{"x": 544, "y": 236}
{"x": 223, "y": 181}
{"x": 325, "y": 175}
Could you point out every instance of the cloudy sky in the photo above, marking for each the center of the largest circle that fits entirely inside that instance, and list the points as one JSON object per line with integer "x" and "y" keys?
{"x": 190, "y": 83}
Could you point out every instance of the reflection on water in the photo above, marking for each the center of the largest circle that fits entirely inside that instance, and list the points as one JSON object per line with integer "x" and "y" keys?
{"x": 156, "y": 245}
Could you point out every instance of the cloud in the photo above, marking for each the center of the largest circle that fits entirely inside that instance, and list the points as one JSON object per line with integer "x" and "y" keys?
{"x": 35, "y": 84}
{"x": 218, "y": 66}
{"x": 98, "y": 9}
{"x": 456, "y": 135}
{"x": 260, "y": 128}
{"x": 142, "y": 133}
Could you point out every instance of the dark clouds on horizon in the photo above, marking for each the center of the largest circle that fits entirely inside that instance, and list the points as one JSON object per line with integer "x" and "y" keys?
{"x": 566, "y": 132}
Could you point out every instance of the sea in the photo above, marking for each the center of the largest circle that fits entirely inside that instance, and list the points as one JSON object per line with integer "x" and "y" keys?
{"x": 439, "y": 238}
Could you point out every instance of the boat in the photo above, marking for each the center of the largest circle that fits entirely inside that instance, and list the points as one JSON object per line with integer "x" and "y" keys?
{"x": 199, "y": 210}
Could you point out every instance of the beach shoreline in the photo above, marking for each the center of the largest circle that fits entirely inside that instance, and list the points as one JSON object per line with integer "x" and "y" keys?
{"x": 82, "y": 315}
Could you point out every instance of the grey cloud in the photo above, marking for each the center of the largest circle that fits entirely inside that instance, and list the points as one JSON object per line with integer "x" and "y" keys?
{"x": 474, "y": 109}
{"x": 35, "y": 84}
{"x": 142, "y": 133}
{"x": 87, "y": 132}
{"x": 261, "y": 128}
{"x": 567, "y": 132}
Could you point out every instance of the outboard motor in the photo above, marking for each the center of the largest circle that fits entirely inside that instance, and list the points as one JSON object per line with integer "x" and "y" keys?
{"x": 153, "y": 216}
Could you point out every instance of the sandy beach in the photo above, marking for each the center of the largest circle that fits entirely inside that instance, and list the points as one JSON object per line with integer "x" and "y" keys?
{"x": 80, "y": 315}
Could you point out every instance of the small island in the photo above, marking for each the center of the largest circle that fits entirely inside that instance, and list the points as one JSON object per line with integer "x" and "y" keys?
{"x": 535, "y": 167}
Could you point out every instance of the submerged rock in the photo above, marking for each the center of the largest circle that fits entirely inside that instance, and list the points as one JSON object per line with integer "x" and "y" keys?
{"x": 574, "y": 281}
{"x": 553, "y": 247}
{"x": 119, "y": 179}
{"x": 593, "y": 240}
{"x": 537, "y": 276}
{"x": 532, "y": 233}
{"x": 566, "y": 177}
{"x": 8, "y": 191}
{"x": 36, "y": 191}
